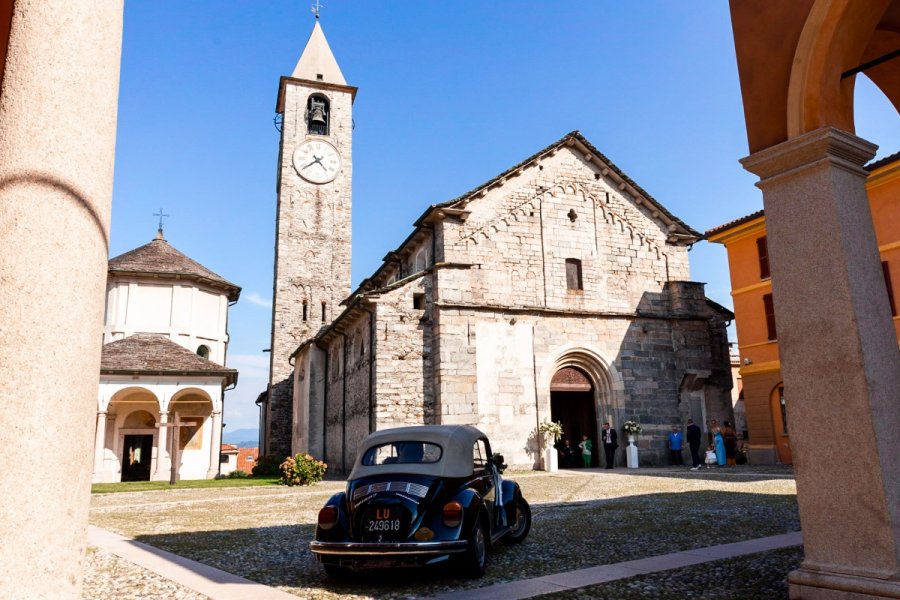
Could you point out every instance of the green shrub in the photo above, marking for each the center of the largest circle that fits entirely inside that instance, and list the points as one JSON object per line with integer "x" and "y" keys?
{"x": 303, "y": 469}
{"x": 268, "y": 466}
{"x": 238, "y": 474}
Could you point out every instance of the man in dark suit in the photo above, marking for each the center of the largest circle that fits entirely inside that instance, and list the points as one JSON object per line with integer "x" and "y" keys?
{"x": 694, "y": 436}
{"x": 608, "y": 439}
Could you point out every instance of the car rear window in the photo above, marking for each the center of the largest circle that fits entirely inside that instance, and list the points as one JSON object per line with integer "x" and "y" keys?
{"x": 402, "y": 453}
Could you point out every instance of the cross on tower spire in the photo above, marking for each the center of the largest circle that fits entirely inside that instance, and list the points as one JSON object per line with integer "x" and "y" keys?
{"x": 160, "y": 214}
{"x": 315, "y": 9}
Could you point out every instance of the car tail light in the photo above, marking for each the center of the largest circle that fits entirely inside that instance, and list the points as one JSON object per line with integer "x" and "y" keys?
{"x": 328, "y": 516}
{"x": 452, "y": 514}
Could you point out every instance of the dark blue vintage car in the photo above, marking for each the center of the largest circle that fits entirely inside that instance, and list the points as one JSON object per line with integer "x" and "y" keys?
{"x": 420, "y": 496}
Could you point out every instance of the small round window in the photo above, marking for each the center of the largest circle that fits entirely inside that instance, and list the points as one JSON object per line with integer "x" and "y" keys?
{"x": 402, "y": 453}
{"x": 203, "y": 351}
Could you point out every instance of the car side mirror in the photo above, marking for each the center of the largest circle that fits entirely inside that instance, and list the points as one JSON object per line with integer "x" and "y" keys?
{"x": 497, "y": 459}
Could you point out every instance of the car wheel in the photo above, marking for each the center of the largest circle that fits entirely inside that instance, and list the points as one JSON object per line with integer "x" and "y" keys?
{"x": 522, "y": 526}
{"x": 334, "y": 571}
{"x": 475, "y": 558}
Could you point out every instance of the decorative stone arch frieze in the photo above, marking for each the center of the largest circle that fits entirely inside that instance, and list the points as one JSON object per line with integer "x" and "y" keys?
{"x": 564, "y": 187}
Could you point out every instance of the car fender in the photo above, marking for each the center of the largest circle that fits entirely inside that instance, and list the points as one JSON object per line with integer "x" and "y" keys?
{"x": 511, "y": 494}
{"x": 341, "y": 529}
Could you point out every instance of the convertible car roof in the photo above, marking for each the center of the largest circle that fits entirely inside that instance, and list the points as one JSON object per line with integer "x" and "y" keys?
{"x": 456, "y": 442}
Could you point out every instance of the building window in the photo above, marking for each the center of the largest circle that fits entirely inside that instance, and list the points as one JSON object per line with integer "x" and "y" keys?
{"x": 421, "y": 261}
{"x": 573, "y": 274}
{"x": 305, "y": 307}
{"x": 886, "y": 269}
{"x": 770, "y": 315}
{"x": 318, "y": 114}
{"x": 223, "y": 459}
{"x": 784, "y": 428}
{"x": 323, "y": 312}
{"x": 762, "y": 250}
{"x": 419, "y": 301}
{"x": 203, "y": 351}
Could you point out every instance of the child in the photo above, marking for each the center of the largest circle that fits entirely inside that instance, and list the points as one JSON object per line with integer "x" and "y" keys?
{"x": 586, "y": 447}
{"x": 711, "y": 458}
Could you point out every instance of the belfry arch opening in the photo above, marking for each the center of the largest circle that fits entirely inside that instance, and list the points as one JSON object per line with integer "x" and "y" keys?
{"x": 573, "y": 404}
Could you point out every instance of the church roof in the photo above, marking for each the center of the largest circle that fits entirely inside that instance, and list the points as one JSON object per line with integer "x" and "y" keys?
{"x": 149, "y": 354}
{"x": 317, "y": 63}
{"x": 159, "y": 258}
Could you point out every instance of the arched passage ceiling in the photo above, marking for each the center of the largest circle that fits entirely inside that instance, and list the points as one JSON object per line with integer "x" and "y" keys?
{"x": 791, "y": 56}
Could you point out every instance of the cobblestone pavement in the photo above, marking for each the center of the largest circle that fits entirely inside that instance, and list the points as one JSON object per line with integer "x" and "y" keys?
{"x": 581, "y": 519}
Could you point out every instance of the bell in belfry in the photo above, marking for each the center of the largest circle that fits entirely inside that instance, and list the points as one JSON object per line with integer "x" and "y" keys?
{"x": 317, "y": 113}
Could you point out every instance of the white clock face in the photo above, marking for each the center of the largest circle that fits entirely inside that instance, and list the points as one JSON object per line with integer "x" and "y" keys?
{"x": 317, "y": 161}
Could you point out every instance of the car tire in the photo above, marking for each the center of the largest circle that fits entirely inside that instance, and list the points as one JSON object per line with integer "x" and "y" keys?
{"x": 334, "y": 571}
{"x": 522, "y": 526}
{"x": 474, "y": 560}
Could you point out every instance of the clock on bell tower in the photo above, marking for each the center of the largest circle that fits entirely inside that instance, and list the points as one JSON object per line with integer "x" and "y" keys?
{"x": 313, "y": 219}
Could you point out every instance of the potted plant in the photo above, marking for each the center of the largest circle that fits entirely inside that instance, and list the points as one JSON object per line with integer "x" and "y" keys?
{"x": 551, "y": 432}
{"x": 631, "y": 429}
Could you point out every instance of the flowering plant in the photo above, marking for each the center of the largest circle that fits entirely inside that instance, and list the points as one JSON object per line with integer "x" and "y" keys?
{"x": 632, "y": 427}
{"x": 551, "y": 429}
{"x": 302, "y": 469}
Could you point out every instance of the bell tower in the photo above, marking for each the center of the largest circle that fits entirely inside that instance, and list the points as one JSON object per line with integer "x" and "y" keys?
{"x": 312, "y": 226}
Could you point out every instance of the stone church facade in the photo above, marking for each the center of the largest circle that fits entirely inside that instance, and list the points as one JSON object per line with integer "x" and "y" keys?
{"x": 557, "y": 290}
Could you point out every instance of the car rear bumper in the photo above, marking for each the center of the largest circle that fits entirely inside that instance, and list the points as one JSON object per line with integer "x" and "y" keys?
{"x": 375, "y": 550}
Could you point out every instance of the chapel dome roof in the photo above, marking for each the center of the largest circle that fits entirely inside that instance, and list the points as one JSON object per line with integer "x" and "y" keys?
{"x": 159, "y": 258}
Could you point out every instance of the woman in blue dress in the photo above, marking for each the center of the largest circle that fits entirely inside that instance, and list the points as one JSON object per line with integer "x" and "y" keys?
{"x": 719, "y": 442}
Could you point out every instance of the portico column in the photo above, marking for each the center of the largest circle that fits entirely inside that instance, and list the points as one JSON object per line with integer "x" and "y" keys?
{"x": 99, "y": 447}
{"x": 215, "y": 447}
{"x": 58, "y": 96}
{"x": 163, "y": 460}
{"x": 840, "y": 363}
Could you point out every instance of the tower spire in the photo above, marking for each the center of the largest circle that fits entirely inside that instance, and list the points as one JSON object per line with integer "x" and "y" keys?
{"x": 315, "y": 9}
{"x": 317, "y": 63}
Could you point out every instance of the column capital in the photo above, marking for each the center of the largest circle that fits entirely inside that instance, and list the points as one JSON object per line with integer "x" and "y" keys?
{"x": 163, "y": 417}
{"x": 824, "y": 144}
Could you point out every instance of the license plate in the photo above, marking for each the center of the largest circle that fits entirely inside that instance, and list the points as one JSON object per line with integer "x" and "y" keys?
{"x": 382, "y": 520}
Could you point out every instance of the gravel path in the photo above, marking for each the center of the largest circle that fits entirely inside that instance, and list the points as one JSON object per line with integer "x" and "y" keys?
{"x": 108, "y": 576}
{"x": 580, "y": 519}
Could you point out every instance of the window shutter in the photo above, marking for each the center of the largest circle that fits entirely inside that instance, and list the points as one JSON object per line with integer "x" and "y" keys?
{"x": 770, "y": 315}
{"x": 886, "y": 269}
{"x": 762, "y": 249}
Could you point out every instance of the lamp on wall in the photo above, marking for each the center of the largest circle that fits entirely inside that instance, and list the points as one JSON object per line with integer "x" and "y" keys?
{"x": 747, "y": 361}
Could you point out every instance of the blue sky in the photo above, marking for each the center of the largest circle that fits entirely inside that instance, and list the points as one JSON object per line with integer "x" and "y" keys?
{"x": 450, "y": 94}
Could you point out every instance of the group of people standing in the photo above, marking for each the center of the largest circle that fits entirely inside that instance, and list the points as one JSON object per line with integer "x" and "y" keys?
{"x": 608, "y": 440}
{"x": 720, "y": 451}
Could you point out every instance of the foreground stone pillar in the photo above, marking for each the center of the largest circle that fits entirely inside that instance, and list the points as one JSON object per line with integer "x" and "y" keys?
{"x": 57, "y": 144}
{"x": 840, "y": 363}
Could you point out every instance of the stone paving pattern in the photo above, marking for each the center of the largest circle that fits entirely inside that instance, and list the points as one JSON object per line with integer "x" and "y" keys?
{"x": 581, "y": 519}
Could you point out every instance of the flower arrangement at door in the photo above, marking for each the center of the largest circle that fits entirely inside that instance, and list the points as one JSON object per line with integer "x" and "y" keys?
{"x": 631, "y": 427}
{"x": 550, "y": 429}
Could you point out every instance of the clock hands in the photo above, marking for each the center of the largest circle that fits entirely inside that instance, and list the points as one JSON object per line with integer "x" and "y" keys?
{"x": 316, "y": 159}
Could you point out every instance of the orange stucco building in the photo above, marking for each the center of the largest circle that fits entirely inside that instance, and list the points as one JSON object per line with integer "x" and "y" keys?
{"x": 757, "y": 331}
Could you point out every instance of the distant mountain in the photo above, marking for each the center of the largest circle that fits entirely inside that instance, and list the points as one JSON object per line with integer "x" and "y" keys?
{"x": 242, "y": 438}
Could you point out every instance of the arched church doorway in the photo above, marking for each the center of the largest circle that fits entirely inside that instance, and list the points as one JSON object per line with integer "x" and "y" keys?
{"x": 572, "y": 404}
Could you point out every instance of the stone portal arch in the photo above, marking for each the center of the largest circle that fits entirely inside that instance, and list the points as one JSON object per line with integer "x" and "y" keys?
{"x": 583, "y": 378}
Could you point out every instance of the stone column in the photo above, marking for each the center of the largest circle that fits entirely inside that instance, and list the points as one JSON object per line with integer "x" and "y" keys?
{"x": 163, "y": 459}
{"x": 215, "y": 444}
{"x": 57, "y": 145}
{"x": 840, "y": 363}
{"x": 99, "y": 447}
